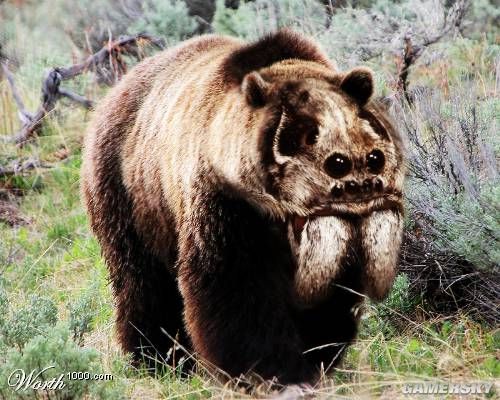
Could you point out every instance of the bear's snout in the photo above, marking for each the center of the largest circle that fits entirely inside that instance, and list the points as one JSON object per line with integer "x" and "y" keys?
{"x": 358, "y": 178}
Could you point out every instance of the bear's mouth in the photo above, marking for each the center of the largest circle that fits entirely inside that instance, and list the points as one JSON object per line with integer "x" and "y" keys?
{"x": 348, "y": 209}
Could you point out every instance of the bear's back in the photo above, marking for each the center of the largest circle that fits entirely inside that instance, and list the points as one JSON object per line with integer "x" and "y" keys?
{"x": 121, "y": 105}
{"x": 113, "y": 153}
{"x": 170, "y": 114}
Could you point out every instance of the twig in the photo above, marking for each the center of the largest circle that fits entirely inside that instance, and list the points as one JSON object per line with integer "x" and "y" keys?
{"x": 88, "y": 104}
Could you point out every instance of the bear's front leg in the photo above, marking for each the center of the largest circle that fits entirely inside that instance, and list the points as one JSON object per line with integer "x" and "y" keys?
{"x": 235, "y": 278}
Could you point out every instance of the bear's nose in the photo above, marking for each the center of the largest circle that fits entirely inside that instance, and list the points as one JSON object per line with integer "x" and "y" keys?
{"x": 337, "y": 165}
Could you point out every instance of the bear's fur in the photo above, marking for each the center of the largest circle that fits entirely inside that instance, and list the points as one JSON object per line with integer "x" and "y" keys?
{"x": 213, "y": 183}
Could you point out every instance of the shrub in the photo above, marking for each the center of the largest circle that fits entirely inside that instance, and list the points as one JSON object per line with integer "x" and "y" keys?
{"x": 166, "y": 18}
{"x": 453, "y": 198}
{"x": 91, "y": 23}
{"x": 351, "y": 35}
{"x": 82, "y": 313}
{"x": 254, "y": 19}
{"x": 31, "y": 338}
{"x": 390, "y": 316}
{"x": 400, "y": 300}
{"x": 35, "y": 318}
{"x": 236, "y": 22}
{"x": 453, "y": 187}
{"x": 59, "y": 355}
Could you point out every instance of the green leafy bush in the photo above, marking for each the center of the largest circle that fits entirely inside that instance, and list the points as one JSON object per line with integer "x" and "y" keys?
{"x": 453, "y": 197}
{"x": 32, "y": 339}
{"x": 166, "y": 18}
{"x": 56, "y": 354}
{"x": 82, "y": 312}
{"x": 400, "y": 300}
{"x": 35, "y": 318}
{"x": 253, "y": 19}
{"x": 453, "y": 189}
{"x": 389, "y": 316}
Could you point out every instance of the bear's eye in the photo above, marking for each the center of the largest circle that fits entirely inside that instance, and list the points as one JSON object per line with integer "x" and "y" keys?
{"x": 337, "y": 165}
{"x": 375, "y": 161}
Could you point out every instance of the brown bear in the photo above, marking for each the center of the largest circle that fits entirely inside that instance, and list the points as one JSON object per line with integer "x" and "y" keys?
{"x": 246, "y": 198}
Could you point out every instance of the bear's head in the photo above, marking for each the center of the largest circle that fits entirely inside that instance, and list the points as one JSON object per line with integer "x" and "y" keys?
{"x": 331, "y": 156}
{"x": 329, "y": 150}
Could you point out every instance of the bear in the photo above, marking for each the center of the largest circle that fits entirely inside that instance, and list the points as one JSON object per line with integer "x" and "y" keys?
{"x": 247, "y": 197}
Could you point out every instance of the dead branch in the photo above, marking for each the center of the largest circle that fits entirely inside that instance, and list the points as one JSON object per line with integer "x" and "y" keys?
{"x": 83, "y": 101}
{"x": 412, "y": 50}
{"x": 50, "y": 95}
{"x": 110, "y": 56}
{"x": 24, "y": 115}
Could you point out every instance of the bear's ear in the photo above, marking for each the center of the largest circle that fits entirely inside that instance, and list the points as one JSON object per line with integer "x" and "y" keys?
{"x": 358, "y": 84}
{"x": 255, "y": 89}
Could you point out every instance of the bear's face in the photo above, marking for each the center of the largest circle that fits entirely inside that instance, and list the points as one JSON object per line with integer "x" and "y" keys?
{"x": 332, "y": 155}
{"x": 332, "y": 158}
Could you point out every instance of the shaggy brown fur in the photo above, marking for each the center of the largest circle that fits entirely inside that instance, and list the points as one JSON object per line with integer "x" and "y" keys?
{"x": 245, "y": 196}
